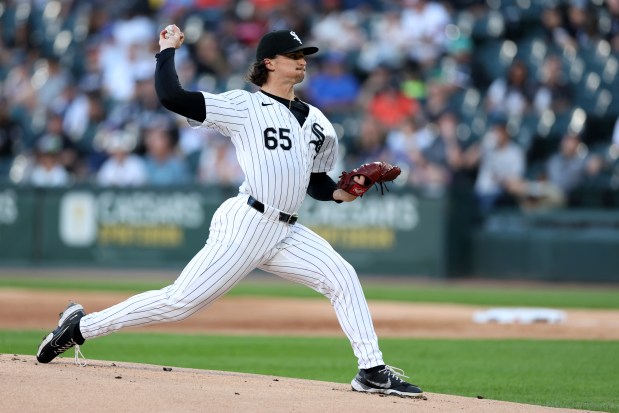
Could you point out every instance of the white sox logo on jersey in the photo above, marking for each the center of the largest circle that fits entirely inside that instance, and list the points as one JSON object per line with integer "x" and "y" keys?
{"x": 318, "y": 131}
{"x": 294, "y": 35}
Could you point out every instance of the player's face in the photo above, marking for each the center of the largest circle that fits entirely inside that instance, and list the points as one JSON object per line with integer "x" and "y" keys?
{"x": 291, "y": 65}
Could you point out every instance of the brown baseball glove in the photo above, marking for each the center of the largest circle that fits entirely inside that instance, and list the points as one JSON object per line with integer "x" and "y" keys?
{"x": 374, "y": 173}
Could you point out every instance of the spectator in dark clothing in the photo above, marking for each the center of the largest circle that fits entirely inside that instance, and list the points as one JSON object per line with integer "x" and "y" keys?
{"x": 513, "y": 94}
{"x": 565, "y": 172}
{"x": 440, "y": 160}
{"x": 11, "y": 135}
{"x": 209, "y": 57}
{"x": 613, "y": 31}
{"x": 68, "y": 155}
{"x": 369, "y": 144}
{"x": 568, "y": 167}
{"x": 554, "y": 92}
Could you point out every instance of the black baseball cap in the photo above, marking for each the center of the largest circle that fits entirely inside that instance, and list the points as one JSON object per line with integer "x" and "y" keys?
{"x": 280, "y": 42}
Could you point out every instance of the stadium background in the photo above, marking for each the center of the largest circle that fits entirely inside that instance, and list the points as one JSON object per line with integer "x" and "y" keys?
{"x": 420, "y": 83}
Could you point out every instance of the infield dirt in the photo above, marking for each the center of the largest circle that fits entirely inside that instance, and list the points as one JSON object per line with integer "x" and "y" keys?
{"x": 103, "y": 386}
{"x": 32, "y": 309}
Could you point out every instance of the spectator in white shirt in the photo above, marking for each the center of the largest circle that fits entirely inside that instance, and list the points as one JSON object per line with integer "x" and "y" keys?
{"x": 48, "y": 171}
{"x": 122, "y": 168}
{"x": 423, "y": 26}
{"x": 501, "y": 163}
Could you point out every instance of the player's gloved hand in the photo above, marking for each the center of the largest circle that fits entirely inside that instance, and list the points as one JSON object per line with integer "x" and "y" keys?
{"x": 374, "y": 173}
{"x": 343, "y": 196}
{"x": 171, "y": 36}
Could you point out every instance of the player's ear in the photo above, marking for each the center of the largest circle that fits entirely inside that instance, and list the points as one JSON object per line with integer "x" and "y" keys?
{"x": 268, "y": 63}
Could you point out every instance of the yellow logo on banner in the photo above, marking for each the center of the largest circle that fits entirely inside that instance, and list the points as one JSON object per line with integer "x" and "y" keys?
{"x": 78, "y": 219}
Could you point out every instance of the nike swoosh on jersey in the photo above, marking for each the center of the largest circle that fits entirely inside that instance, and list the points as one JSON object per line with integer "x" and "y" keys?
{"x": 266, "y": 104}
{"x": 381, "y": 385}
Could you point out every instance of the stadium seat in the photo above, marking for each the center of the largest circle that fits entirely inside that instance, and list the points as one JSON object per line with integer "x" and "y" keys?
{"x": 594, "y": 96}
{"x": 596, "y": 55}
{"x": 532, "y": 50}
{"x": 523, "y": 17}
{"x": 479, "y": 125}
{"x": 602, "y": 103}
{"x": 193, "y": 162}
{"x": 613, "y": 107}
{"x": 527, "y": 131}
{"x": 490, "y": 26}
{"x": 494, "y": 57}
{"x": 535, "y": 170}
{"x": 574, "y": 67}
{"x": 573, "y": 121}
{"x": 545, "y": 123}
{"x": 609, "y": 72}
{"x": 541, "y": 149}
{"x": 586, "y": 90}
{"x": 466, "y": 102}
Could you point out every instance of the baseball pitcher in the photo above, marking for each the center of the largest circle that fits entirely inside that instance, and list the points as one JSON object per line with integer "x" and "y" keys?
{"x": 285, "y": 147}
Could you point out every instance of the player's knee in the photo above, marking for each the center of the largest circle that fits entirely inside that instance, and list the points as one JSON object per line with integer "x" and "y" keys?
{"x": 348, "y": 269}
{"x": 335, "y": 281}
{"x": 180, "y": 307}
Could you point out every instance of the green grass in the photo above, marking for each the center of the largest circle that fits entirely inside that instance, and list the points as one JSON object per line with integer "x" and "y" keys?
{"x": 410, "y": 292}
{"x": 572, "y": 374}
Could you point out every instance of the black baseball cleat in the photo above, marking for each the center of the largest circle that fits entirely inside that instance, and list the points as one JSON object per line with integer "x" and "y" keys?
{"x": 63, "y": 337}
{"x": 386, "y": 381}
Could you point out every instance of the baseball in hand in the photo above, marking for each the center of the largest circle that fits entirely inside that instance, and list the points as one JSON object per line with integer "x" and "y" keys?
{"x": 171, "y": 36}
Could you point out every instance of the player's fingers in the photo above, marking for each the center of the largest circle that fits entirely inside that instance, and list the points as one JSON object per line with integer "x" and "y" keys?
{"x": 341, "y": 195}
{"x": 360, "y": 179}
{"x": 171, "y": 30}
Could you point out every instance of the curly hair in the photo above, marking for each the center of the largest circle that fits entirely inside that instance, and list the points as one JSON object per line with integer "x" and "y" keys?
{"x": 258, "y": 73}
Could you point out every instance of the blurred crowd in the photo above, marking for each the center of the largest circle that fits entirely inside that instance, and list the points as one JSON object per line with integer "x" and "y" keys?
{"x": 515, "y": 99}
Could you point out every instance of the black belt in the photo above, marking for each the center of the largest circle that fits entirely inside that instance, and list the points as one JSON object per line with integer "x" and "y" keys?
{"x": 259, "y": 206}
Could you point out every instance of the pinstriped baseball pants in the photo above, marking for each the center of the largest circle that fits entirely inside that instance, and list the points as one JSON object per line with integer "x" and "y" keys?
{"x": 240, "y": 240}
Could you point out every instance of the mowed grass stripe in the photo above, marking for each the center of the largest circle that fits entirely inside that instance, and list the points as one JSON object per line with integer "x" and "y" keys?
{"x": 557, "y": 296}
{"x": 571, "y": 374}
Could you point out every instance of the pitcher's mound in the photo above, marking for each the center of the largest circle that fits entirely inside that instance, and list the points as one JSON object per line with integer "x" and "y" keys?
{"x": 104, "y": 386}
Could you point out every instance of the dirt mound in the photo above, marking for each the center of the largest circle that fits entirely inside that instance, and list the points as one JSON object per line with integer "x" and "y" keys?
{"x": 102, "y": 386}
{"x": 30, "y": 309}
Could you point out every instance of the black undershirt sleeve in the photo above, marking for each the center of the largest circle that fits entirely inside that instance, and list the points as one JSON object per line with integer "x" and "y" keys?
{"x": 191, "y": 105}
{"x": 170, "y": 92}
{"x": 321, "y": 187}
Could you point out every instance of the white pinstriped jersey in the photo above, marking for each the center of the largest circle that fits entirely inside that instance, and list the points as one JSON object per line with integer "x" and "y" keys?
{"x": 276, "y": 154}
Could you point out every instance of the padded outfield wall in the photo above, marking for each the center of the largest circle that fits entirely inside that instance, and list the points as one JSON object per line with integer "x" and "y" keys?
{"x": 400, "y": 233}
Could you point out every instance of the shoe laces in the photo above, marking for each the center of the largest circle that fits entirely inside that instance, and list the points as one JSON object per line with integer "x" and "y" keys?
{"x": 395, "y": 372}
{"x": 78, "y": 354}
{"x": 66, "y": 346}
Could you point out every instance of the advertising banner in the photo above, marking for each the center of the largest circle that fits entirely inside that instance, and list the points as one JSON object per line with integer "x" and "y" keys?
{"x": 398, "y": 233}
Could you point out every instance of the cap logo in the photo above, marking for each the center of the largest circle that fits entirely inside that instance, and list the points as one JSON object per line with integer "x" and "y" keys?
{"x": 294, "y": 36}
